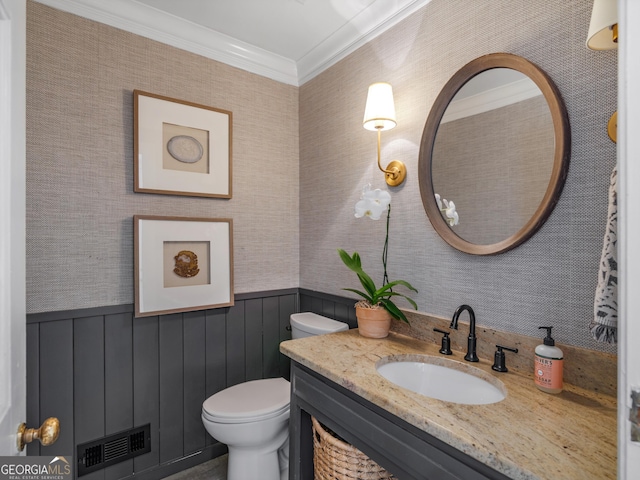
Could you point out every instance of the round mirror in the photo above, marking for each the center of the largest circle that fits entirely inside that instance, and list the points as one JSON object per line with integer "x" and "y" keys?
{"x": 496, "y": 144}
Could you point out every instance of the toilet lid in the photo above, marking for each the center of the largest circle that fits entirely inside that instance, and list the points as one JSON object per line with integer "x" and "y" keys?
{"x": 316, "y": 324}
{"x": 248, "y": 401}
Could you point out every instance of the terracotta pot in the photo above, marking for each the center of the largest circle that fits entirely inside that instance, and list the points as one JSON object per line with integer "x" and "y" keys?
{"x": 373, "y": 322}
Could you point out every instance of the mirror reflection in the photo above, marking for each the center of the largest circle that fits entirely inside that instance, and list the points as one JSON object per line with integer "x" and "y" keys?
{"x": 493, "y": 154}
{"x": 496, "y": 146}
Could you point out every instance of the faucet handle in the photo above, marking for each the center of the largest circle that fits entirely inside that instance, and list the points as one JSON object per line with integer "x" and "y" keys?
{"x": 499, "y": 358}
{"x": 445, "y": 348}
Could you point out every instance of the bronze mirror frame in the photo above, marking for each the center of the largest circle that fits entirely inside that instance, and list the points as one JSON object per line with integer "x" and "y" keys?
{"x": 562, "y": 151}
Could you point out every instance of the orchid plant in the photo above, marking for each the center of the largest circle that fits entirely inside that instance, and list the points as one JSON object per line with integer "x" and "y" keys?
{"x": 372, "y": 204}
{"x": 448, "y": 210}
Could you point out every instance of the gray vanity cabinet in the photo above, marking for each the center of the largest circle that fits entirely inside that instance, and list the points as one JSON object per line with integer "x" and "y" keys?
{"x": 401, "y": 448}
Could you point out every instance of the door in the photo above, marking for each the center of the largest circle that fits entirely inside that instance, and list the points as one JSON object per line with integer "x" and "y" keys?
{"x": 12, "y": 222}
{"x": 629, "y": 239}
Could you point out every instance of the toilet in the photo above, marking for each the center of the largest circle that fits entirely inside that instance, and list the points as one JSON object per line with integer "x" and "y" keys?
{"x": 252, "y": 418}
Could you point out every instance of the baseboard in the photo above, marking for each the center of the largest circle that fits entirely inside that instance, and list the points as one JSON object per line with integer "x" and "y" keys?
{"x": 178, "y": 465}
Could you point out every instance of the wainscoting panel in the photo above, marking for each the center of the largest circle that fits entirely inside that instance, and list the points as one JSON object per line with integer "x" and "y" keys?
{"x": 56, "y": 382}
{"x": 118, "y": 379}
{"x": 171, "y": 365}
{"x": 102, "y": 371}
{"x": 332, "y": 306}
{"x": 146, "y": 385}
{"x": 195, "y": 376}
{"x": 89, "y": 416}
{"x": 215, "y": 356}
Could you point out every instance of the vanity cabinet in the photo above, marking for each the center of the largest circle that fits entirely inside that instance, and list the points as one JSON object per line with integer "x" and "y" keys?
{"x": 401, "y": 448}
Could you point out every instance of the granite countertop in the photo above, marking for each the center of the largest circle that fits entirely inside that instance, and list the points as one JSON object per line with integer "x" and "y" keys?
{"x": 528, "y": 435}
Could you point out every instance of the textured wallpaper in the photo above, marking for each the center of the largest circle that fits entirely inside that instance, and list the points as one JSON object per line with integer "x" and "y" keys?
{"x": 549, "y": 280}
{"x": 301, "y": 158}
{"x": 80, "y": 199}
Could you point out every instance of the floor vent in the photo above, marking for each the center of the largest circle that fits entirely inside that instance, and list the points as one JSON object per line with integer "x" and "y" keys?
{"x": 116, "y": 448}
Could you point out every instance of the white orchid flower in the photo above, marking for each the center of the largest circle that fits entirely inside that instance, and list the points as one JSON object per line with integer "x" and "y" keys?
{"x": 448, "y": 209}
{"x": 367, "y": 208}
{"x": 372, "y": 203}
{"x": 451, "y": 214}
{"x": 380, "y": 197}
{"x": 439, "y": 201}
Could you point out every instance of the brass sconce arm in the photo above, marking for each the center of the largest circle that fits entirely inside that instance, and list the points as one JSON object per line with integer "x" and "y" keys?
{"x": 395, "y": 172}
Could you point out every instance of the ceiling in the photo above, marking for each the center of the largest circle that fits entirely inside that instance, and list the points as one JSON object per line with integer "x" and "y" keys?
{"x": 290, "y": 41}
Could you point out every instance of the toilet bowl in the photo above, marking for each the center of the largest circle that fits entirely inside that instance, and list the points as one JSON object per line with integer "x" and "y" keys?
{"x": 252, "y": 418}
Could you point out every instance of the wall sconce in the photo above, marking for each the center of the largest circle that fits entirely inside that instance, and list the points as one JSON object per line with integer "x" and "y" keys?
{"x": 603, "y": 35}
{"x": 379, "y": 115}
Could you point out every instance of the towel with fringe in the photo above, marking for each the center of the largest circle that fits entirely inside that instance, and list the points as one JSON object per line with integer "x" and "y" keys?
{"x": 604, "y": 326}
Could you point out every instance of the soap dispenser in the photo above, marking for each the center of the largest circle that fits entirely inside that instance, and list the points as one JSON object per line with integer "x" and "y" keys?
{"x": 548, "y": 365}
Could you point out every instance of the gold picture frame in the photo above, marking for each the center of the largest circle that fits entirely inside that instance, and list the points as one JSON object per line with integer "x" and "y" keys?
{"x": 180, "y": 147}
{"x": 182, "y": 264}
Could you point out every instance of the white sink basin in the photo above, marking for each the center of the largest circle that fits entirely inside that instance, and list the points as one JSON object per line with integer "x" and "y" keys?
{"x": 442, "y": 379}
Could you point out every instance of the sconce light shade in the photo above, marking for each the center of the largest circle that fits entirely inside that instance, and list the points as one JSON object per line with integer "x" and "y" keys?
{"x": 379, "y": 115}
{"x": 603, "y": 35}
{"x": 603, "y": 30}
{"x": 380, "y": 112}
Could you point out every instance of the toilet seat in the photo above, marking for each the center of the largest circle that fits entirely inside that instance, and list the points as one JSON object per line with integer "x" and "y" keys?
{"x": 248, "y": 402}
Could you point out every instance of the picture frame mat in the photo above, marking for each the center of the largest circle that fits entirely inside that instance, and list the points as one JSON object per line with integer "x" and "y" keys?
{"x": 151, "y": 112}
{"x": 152, "y": 297}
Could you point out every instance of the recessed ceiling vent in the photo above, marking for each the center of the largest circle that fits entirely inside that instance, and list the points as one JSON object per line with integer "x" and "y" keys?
{"x": 116, "y": 448}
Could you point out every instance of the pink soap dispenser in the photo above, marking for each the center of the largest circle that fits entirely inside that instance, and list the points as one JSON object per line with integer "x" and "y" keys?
{"x": 548, "y": 365}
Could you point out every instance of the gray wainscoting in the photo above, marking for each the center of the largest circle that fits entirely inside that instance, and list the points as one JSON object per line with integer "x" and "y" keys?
{"x": 332, "y": 306}
{"x": 102, "y": 371}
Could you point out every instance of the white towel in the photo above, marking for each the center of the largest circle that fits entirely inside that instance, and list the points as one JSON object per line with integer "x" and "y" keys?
{"x": 604, "y": 326}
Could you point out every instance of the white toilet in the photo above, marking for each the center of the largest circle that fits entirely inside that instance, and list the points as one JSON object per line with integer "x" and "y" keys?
{"x": 252, "y": 418}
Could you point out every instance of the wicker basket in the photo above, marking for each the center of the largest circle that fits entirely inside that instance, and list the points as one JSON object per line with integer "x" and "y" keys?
{"x": 334, "y": 459}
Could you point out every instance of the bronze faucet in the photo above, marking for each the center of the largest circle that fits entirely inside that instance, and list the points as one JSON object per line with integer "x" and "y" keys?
{"x": 471, "y": 342}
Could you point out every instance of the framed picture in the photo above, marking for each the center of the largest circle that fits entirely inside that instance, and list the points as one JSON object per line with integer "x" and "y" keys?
{"x": 180, "y": 148}
{"x": 182, "y": 264}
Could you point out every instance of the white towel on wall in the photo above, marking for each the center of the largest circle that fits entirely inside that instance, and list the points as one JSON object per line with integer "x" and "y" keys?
{"x": 604, "y": 326}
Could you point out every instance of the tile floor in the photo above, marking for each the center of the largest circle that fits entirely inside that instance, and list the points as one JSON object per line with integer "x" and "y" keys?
{"x": 215, "y": 469}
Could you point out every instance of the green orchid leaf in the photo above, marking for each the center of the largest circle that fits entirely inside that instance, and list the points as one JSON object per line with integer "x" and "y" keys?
{"x": 367, "y": 283}
{"x": 347, "y": 260}
{"x": 394, "y": 310}
{"x": 396, "y": 294}
{"x": 358, "y": 292}
{"x": 406, "y": 284}
{"x": 354, "y": 263}
{"x": 386, "y": 288}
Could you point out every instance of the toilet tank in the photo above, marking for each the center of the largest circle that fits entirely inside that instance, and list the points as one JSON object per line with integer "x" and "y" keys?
{"x": 307, "y": 324}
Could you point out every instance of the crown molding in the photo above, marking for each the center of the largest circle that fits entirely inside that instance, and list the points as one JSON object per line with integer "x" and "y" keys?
{"x": 491, "y": 99}
{"x": 370, "y": 23}
{"x": 155, "y": 24}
